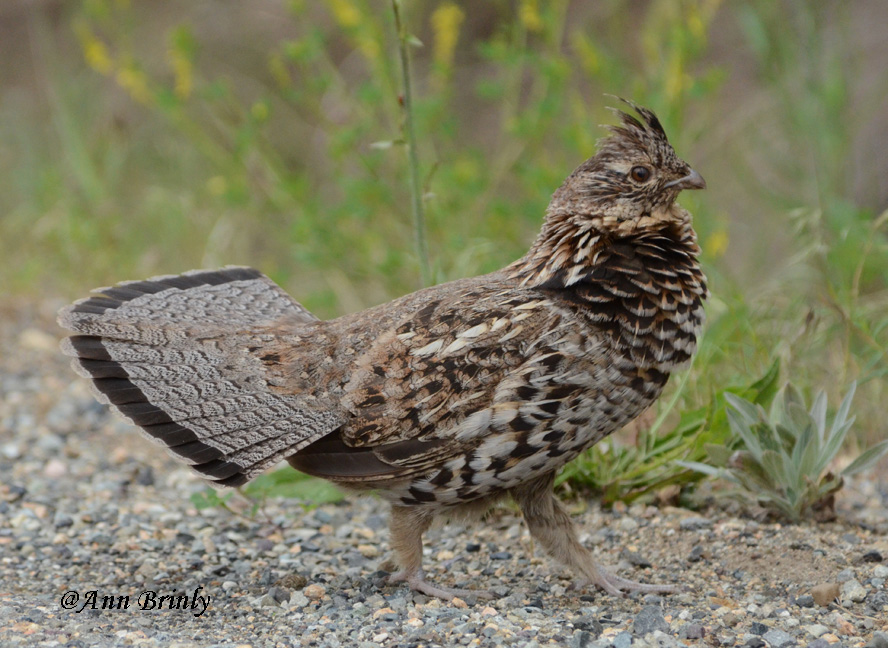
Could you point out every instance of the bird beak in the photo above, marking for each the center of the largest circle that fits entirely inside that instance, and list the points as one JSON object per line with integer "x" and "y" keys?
{"x": 691, "y": 181}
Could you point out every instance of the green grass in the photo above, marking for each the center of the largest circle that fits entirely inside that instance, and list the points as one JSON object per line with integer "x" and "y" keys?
{"x": 143, "y": 145}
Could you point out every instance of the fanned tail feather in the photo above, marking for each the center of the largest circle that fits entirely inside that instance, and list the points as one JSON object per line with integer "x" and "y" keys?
{"x": 172, "y": 355}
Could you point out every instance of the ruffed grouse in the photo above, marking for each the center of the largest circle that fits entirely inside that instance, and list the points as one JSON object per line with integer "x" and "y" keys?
{"x": 446, "y": 398}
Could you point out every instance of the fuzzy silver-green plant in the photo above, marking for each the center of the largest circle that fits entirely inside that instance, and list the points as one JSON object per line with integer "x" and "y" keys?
{"x": 784, "y": 454}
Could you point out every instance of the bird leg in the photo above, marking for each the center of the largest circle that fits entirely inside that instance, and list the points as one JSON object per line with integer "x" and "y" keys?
{"x": 407, "y": 526}
{"x": 551, "y": 526}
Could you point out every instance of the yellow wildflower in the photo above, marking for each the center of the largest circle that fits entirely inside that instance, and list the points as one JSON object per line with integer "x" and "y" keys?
{"x": 345, "y": 13}
{"x": 529, "y": 12}
{"x": 279, "y": 71}
{"x": 717, "y": 243}
{"x": 94, "y": 50}
{"x": 446, "y": 20}
{"x": 134, "y": 81}
{"x": 260, "y": 111}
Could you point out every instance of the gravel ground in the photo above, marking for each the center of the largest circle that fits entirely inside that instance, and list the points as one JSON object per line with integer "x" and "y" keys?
{"x": 90, "y": 510}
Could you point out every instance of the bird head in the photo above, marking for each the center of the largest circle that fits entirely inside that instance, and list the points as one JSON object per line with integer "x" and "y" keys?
{"x": 635, "y": 174}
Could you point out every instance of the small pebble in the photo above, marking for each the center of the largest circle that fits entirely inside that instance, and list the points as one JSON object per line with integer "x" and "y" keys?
{"x": 844, "y": 575}
{"x": 694, "y": 523}
{"x": 314, "y": 591}
{"x": 852, "y": 591}
{"x": 692, "y": 631}
{"x": 777, "y": 638}
{"x": 634, "y": 558}
{"x": 622, "y": 640}
{"x": 649, "y": 619}
{"x": 819, "y": 643}
{"x": 879, "y": 640}
{"x": 805, "y": 600}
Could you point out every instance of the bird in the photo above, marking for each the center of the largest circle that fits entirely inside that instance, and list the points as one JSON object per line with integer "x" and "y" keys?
{"x": 444, "y": 400}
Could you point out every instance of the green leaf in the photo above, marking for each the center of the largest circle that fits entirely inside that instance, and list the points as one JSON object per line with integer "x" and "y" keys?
{"x": 209, "y": 498}
{"x": 818, "y": 414}
{"x": 765, "y": 388}
{"x": 290, "y": 483}
{"x": 706, "y": 469}
{"x": 831, "y": 448}
{"x": 740, "y": 424}
{"x": 747, "y": 410}
{"x": 845, "y": 408}
{"x": 719, "y": 455}
{"x": 866, "y": 459}
{"x": 777, "y": 469}
{"x": 811, "y": 455}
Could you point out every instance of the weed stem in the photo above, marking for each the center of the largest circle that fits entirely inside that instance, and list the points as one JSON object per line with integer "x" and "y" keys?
{"x": 409, "y": 136}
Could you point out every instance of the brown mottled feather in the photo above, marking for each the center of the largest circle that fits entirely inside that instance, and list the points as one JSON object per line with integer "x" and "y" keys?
{"x": 447, "y": 397}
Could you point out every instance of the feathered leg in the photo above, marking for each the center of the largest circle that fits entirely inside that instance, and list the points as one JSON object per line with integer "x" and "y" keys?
{"x": 407, "y": 526}
{"x": 551, "y": 526}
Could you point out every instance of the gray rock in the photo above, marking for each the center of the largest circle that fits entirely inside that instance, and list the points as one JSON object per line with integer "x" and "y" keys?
{"x": 622, "y": 640}
{"x": 694, "y": 523}
{"x": 691, "y": 631}
{"x": 853, "y": 591}
{"x": 634, "y": 558}
{"x": 588, "y": 624}
{"x": 658, "y": 639}
{"x": 61, "y": 520}
{"x": 778, "y": 638}
{"x": 758, "y": 628}
{"x": 879, "y": 640}
{"x": 581, "y": 639}
{"x": 649, "y": 619}
{"x": 844, "y": 575}
{"x": 298, "y": 600}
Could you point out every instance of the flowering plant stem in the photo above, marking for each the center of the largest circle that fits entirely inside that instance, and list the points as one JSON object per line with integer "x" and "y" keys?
{"x": 409, "y": 136}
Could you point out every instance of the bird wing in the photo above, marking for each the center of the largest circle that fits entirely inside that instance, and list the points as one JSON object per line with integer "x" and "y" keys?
{"x": 181, "y": 357}
{"x": 436, "y": 384}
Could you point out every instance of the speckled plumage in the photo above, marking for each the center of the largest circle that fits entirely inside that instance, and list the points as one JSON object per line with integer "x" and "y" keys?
{"x": 450, "y": 396}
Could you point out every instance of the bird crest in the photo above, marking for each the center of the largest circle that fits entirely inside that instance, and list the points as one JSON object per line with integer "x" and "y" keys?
{"x": 633, "y": 135}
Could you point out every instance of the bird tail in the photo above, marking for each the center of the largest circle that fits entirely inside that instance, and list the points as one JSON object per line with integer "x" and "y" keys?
{"x": 173, "y": 355}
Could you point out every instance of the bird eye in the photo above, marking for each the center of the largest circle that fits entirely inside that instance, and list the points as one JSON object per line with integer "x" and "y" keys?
{"x": 640, "y": 173}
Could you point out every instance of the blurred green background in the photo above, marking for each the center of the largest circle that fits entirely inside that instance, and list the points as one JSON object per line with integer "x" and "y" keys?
{"x": 140, "y": 138}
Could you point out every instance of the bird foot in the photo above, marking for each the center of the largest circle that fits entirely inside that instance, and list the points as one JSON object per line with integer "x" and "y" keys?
{"x": 619, "y": 586}
{"x": 417, "y": 582}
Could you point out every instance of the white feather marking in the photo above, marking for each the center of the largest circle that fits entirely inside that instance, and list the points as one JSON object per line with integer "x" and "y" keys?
{"x": 530, "y": 305}
{"x": 515, "y": 331}
{"x": 428, "y": 349}
{"x": 498, "y": 323}
{"x": 474, "y": 425}
{"x": 475, "y": 331}
{"x": 455, "y": 346}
